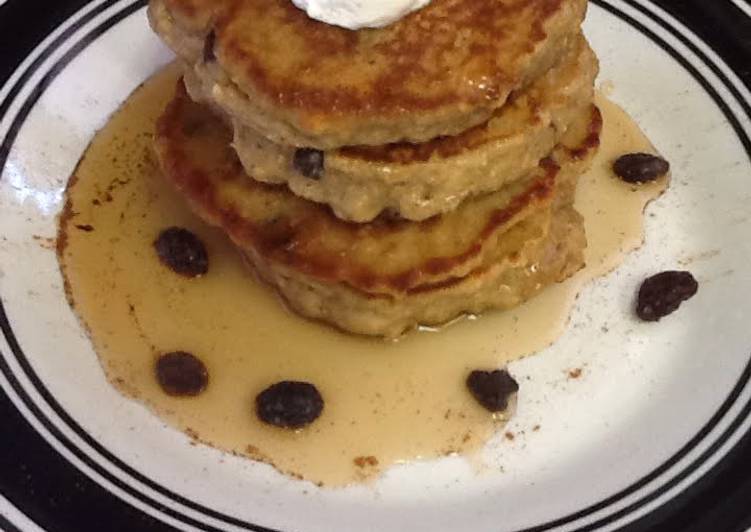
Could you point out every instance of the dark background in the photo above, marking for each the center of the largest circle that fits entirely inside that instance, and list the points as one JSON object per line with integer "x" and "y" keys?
{"x": 60, "y": 498}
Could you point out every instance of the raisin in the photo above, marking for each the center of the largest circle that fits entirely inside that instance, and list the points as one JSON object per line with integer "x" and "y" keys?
{"x": 492, "y": 389}
{"x": 181, "y": 374}
{"x": 289, "y": 404}
{"x": 182, "y": 252}
{"x": 309, "y": 162}
{"x": 208, "y": 47}
{"x": 663, "y": 293}
{"x": 640, "y": 167}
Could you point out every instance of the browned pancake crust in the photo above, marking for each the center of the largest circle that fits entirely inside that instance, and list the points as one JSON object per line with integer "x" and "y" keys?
{"x": 547, "y": 248}
{"x": 436, "y": 72}
{"x": 194, "y": 149}
{"x": 418, "y": 181}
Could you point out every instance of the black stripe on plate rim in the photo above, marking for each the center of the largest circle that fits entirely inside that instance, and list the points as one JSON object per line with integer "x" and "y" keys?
{"x": 689, "y": 470}
{"x": 8, "y": 141}
{"x": 43, "y": 56}
{"x": 744, "y": 103}
{"x": 6, "y": 525}
{"x": 20, "y": 118}
{"x": 697, "y": 463}
{"x": 51, "y": 47}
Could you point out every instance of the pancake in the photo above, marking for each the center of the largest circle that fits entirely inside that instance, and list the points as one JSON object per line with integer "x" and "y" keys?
{"x": 547, "y": 250}
{"x": 313, "y": 258}
{"x": 193, "y": 145}
{"x": 300, "y": 82}
{"x": 418, "y": 181}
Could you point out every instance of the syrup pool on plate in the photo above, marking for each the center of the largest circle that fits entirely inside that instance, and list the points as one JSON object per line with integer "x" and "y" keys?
{"x": 385, "y": 402}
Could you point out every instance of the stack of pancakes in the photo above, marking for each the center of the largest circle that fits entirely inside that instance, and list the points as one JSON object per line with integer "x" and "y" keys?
{"x": 386, "y": 178}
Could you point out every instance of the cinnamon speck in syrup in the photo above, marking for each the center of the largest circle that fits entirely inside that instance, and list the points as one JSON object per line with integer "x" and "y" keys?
{"x": 376, "y": 393}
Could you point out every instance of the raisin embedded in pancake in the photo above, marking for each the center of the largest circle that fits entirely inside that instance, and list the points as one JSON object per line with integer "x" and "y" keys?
{"x": 418, "y": 181}
{"x": 491, "y": 252}
{"x": 300, "y": 82}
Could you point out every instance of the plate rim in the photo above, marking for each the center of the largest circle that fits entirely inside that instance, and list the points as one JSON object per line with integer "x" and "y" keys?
{"x": 133, "y": 7}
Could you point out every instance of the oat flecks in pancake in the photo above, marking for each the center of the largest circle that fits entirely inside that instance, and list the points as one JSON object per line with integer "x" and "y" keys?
{"x": 194, "y": 149}
{"x": 418, "y": 181}
{"x": 301, "y": 82}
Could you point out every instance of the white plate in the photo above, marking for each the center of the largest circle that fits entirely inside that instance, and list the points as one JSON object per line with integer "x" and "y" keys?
{"x": 656, "y": 409}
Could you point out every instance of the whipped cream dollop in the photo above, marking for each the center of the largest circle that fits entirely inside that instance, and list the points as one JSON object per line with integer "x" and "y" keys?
{"x": 357, "y": 14}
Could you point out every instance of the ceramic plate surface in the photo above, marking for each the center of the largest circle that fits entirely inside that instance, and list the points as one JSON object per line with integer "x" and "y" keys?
{"x": 633, "y": 442}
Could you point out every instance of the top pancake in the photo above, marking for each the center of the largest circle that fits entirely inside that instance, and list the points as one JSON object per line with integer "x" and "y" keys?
{"x": 301, "y": 82}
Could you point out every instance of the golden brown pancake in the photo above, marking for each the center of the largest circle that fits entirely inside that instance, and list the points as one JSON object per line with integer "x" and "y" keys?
{"x": 313, "y": 257}
{"x": 193, "y": 144}
{"x": 418, "y": 181}
{"x": 300, "y": 82}
{"x": 540, "y": 250}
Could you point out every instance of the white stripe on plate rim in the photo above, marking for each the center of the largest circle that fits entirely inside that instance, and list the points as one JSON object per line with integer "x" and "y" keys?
{"x": 10, "y": 82}
{"x": 13, "y": 514}
{"x": 743, "y": 5}
{"x": 67, "y": 431}
{"x": 27, "y": 386}
{"x": 745, "y": 121}
{"x": 707, "y": 50}
{"x": 79, "y": 464}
